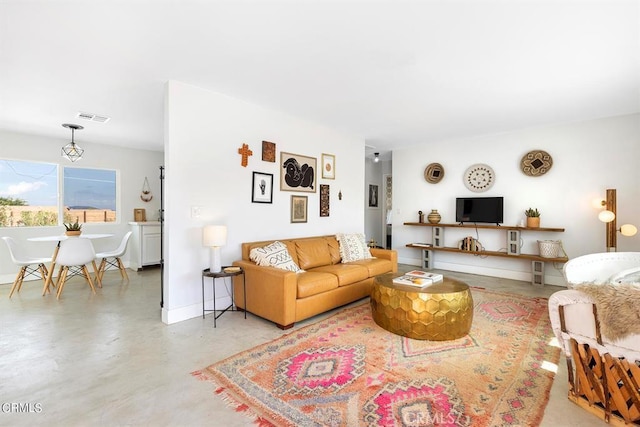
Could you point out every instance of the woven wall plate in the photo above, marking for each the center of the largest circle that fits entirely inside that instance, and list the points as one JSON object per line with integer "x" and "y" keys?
{"x": 536, "y": 163}
{"x": 479, "y": 177}
{"x": 434, "y": 173}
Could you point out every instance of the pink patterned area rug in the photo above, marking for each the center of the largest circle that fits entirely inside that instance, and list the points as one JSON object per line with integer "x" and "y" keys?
{"x": 348, "y": 371}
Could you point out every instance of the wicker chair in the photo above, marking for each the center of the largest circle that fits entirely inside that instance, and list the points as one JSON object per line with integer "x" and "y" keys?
{"x": 604, "y": 374}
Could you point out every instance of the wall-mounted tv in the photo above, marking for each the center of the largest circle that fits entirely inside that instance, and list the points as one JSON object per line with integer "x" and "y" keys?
{"x": 480, "y": 209}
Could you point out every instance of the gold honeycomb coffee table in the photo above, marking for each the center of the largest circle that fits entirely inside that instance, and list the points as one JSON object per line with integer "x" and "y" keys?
{"x": 440, "y": 312}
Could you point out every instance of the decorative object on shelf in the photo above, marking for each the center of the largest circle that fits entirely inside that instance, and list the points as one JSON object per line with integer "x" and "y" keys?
{"x": 550, "y": 248}
{"x": 262, "y": 188}
{"x": 297, "y": 173}
{"x": 328, "y": 166}
{"x": 268, "y": 151}
{"x": 434, "y": 217}
{"x": 145, "y": 194}
{"x": 298, "y": 209}
{"x": 479, "y": 177}
{"x": 608, "y": 216}
{"x": 339, "y": 194}
{"x": 72, "y": 151}
{"x": 324, "y": 199}
{"x": 73, "y": 228}
{"x": 536, "y": 163}
{"x": 420, "y": 217}
{"x": 434, "y": 173}
{"x": 214, "y": 236}
{"x": 245, "y": 153}
{"x": 139, "y": 215}
{"x": 373, "y": 196}
{"x": 533, "y": 218}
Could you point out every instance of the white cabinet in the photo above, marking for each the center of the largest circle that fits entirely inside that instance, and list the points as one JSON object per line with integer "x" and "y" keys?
{"x": 145, "y": 244}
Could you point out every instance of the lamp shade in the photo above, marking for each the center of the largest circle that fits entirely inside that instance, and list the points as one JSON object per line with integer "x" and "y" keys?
{"x": 606, "y": 216}
{"x": 628, "y": 230}
{"x": 214, "y": 235}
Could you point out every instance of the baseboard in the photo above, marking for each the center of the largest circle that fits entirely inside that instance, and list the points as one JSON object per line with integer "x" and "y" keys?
{"x": 179, "y": 314}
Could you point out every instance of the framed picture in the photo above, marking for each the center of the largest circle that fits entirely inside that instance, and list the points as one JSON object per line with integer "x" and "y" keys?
{"x": 328, "y": 166}
{"x": 324, "y": 200}
{"x": 373, "y": 195}
{"x": 298, "y": 208}
{"x": 262, "y": 188}
{"x": 297, "y": 173}
{"x": 139, "y": 215}
{"x": 268, "y": 151}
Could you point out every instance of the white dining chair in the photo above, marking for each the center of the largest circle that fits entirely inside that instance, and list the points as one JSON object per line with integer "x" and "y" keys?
{"x": 75, "y": 252}
{"x": 29, "y": 266}
{"x": 113, "y": 258}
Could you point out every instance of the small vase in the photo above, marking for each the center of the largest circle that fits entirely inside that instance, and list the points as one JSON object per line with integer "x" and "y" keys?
{"x": 72, "y": 233}
{"x": 434, "y": 217}
{"x": 533, "y": 222}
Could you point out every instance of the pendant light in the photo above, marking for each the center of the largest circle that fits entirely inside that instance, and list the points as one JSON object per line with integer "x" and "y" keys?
{"x": 72, "y": 151}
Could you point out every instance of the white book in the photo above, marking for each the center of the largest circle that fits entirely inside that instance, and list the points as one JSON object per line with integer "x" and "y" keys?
{"x": 413, "y": 281}
{"x": 434, "y": 277}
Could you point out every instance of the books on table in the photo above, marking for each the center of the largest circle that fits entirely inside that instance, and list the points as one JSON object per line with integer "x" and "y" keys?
{"x": 418, "y": 278}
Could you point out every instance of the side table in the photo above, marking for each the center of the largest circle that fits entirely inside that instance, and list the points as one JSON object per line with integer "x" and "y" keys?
{"x": 232, "y": 306}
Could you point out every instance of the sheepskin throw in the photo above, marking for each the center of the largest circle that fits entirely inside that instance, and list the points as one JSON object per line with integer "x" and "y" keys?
{"x": 618, "y": 307}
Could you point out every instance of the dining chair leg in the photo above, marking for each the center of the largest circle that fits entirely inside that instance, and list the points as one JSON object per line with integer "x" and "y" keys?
{"x": 97, "y": 273}
{"x": 101, "y": 268}
{"x": 62, "y": 277}
{"x": 49, "y": 280}
{"x": 86, "y": 273}
{"x": 17, "y": 284}
{"x": 123, "y": 271}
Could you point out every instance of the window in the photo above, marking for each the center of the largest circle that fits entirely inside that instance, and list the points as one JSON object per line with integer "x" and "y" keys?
{"x": 29, "y": 194}
{"x": 89, "y": 195}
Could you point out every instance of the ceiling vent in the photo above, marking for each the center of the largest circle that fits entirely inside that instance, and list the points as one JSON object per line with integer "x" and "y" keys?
{"x": 93, "y": 117}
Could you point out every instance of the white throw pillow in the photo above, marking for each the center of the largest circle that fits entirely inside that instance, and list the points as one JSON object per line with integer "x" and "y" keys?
{"x": 274, "y": 255}
{"x": 353, "y": 247}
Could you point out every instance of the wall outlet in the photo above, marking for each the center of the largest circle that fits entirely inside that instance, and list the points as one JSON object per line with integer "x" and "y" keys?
{"x": 196, "y": 211}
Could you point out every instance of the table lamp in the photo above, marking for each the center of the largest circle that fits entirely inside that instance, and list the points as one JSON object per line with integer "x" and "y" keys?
{"x": 214, "y": 236}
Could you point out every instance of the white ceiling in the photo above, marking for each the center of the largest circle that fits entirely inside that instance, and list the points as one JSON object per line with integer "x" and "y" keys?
{"x": 397, "y": 73}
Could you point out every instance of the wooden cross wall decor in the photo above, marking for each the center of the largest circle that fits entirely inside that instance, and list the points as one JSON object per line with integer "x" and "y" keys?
{"x": 245, "y": 153}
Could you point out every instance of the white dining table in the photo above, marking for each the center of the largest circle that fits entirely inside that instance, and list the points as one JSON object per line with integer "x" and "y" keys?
{"x": 59, "y": 238}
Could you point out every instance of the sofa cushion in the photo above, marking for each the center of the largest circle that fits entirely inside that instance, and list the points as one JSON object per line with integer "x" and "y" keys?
{"x": 353, "y": 247}
{"x": 346, "y": 273}
{"x": 274, "y": 255}
{"x": 334, "y": 250}
{"x": 375, "y": 266}
{"x": 313, "y": 283}
{"x": 312, "y": 253}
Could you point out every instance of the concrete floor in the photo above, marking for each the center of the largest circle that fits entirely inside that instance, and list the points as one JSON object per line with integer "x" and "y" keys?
{"x": 108, "y": 360}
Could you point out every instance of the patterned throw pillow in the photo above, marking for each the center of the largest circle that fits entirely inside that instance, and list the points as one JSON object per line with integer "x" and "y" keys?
{"x": 274, "y": 255}
{"x": 353, "y": 247}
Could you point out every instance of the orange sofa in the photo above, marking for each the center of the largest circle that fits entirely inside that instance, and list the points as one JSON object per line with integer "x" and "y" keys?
{"x": 285, "y": 297}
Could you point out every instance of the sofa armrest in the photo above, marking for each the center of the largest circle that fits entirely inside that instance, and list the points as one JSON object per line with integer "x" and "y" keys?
{"x": 271, "y": 292}
{"x": 390, "y": 254}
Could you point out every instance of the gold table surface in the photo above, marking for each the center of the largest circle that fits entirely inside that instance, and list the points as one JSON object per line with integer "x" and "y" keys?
{"x": 439, "y": 312}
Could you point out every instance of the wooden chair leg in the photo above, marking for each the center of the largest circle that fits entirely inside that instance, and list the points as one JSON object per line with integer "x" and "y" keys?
{"x": 85, "y": 270}
{"x": 17, "y": 284}
{"x": 102, "y": 268}
{"x": 62, "y": 277}
{"x": 123, "y": 271}
{"x": 96, "y": 270}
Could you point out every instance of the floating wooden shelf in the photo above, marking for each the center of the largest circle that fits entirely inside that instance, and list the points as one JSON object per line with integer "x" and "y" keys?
{"x": 487, "y": 226}
{"x": 489, "y": 253}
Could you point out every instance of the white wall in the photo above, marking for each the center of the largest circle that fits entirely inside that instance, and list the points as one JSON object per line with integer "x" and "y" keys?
{"x": 588, "y": 158}
{"x": 203, "y": 133}
{"x": 132, "y": 167}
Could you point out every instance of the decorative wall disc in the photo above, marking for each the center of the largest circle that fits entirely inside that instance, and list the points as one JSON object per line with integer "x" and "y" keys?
{"x": 479, "y": 177}
{"x": 434, "y": 173}
{"x": 536, "y": 163}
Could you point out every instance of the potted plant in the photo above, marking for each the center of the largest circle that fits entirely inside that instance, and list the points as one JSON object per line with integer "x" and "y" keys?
{"x": 73, "y": 228}
{"x": 533, "y": 218}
